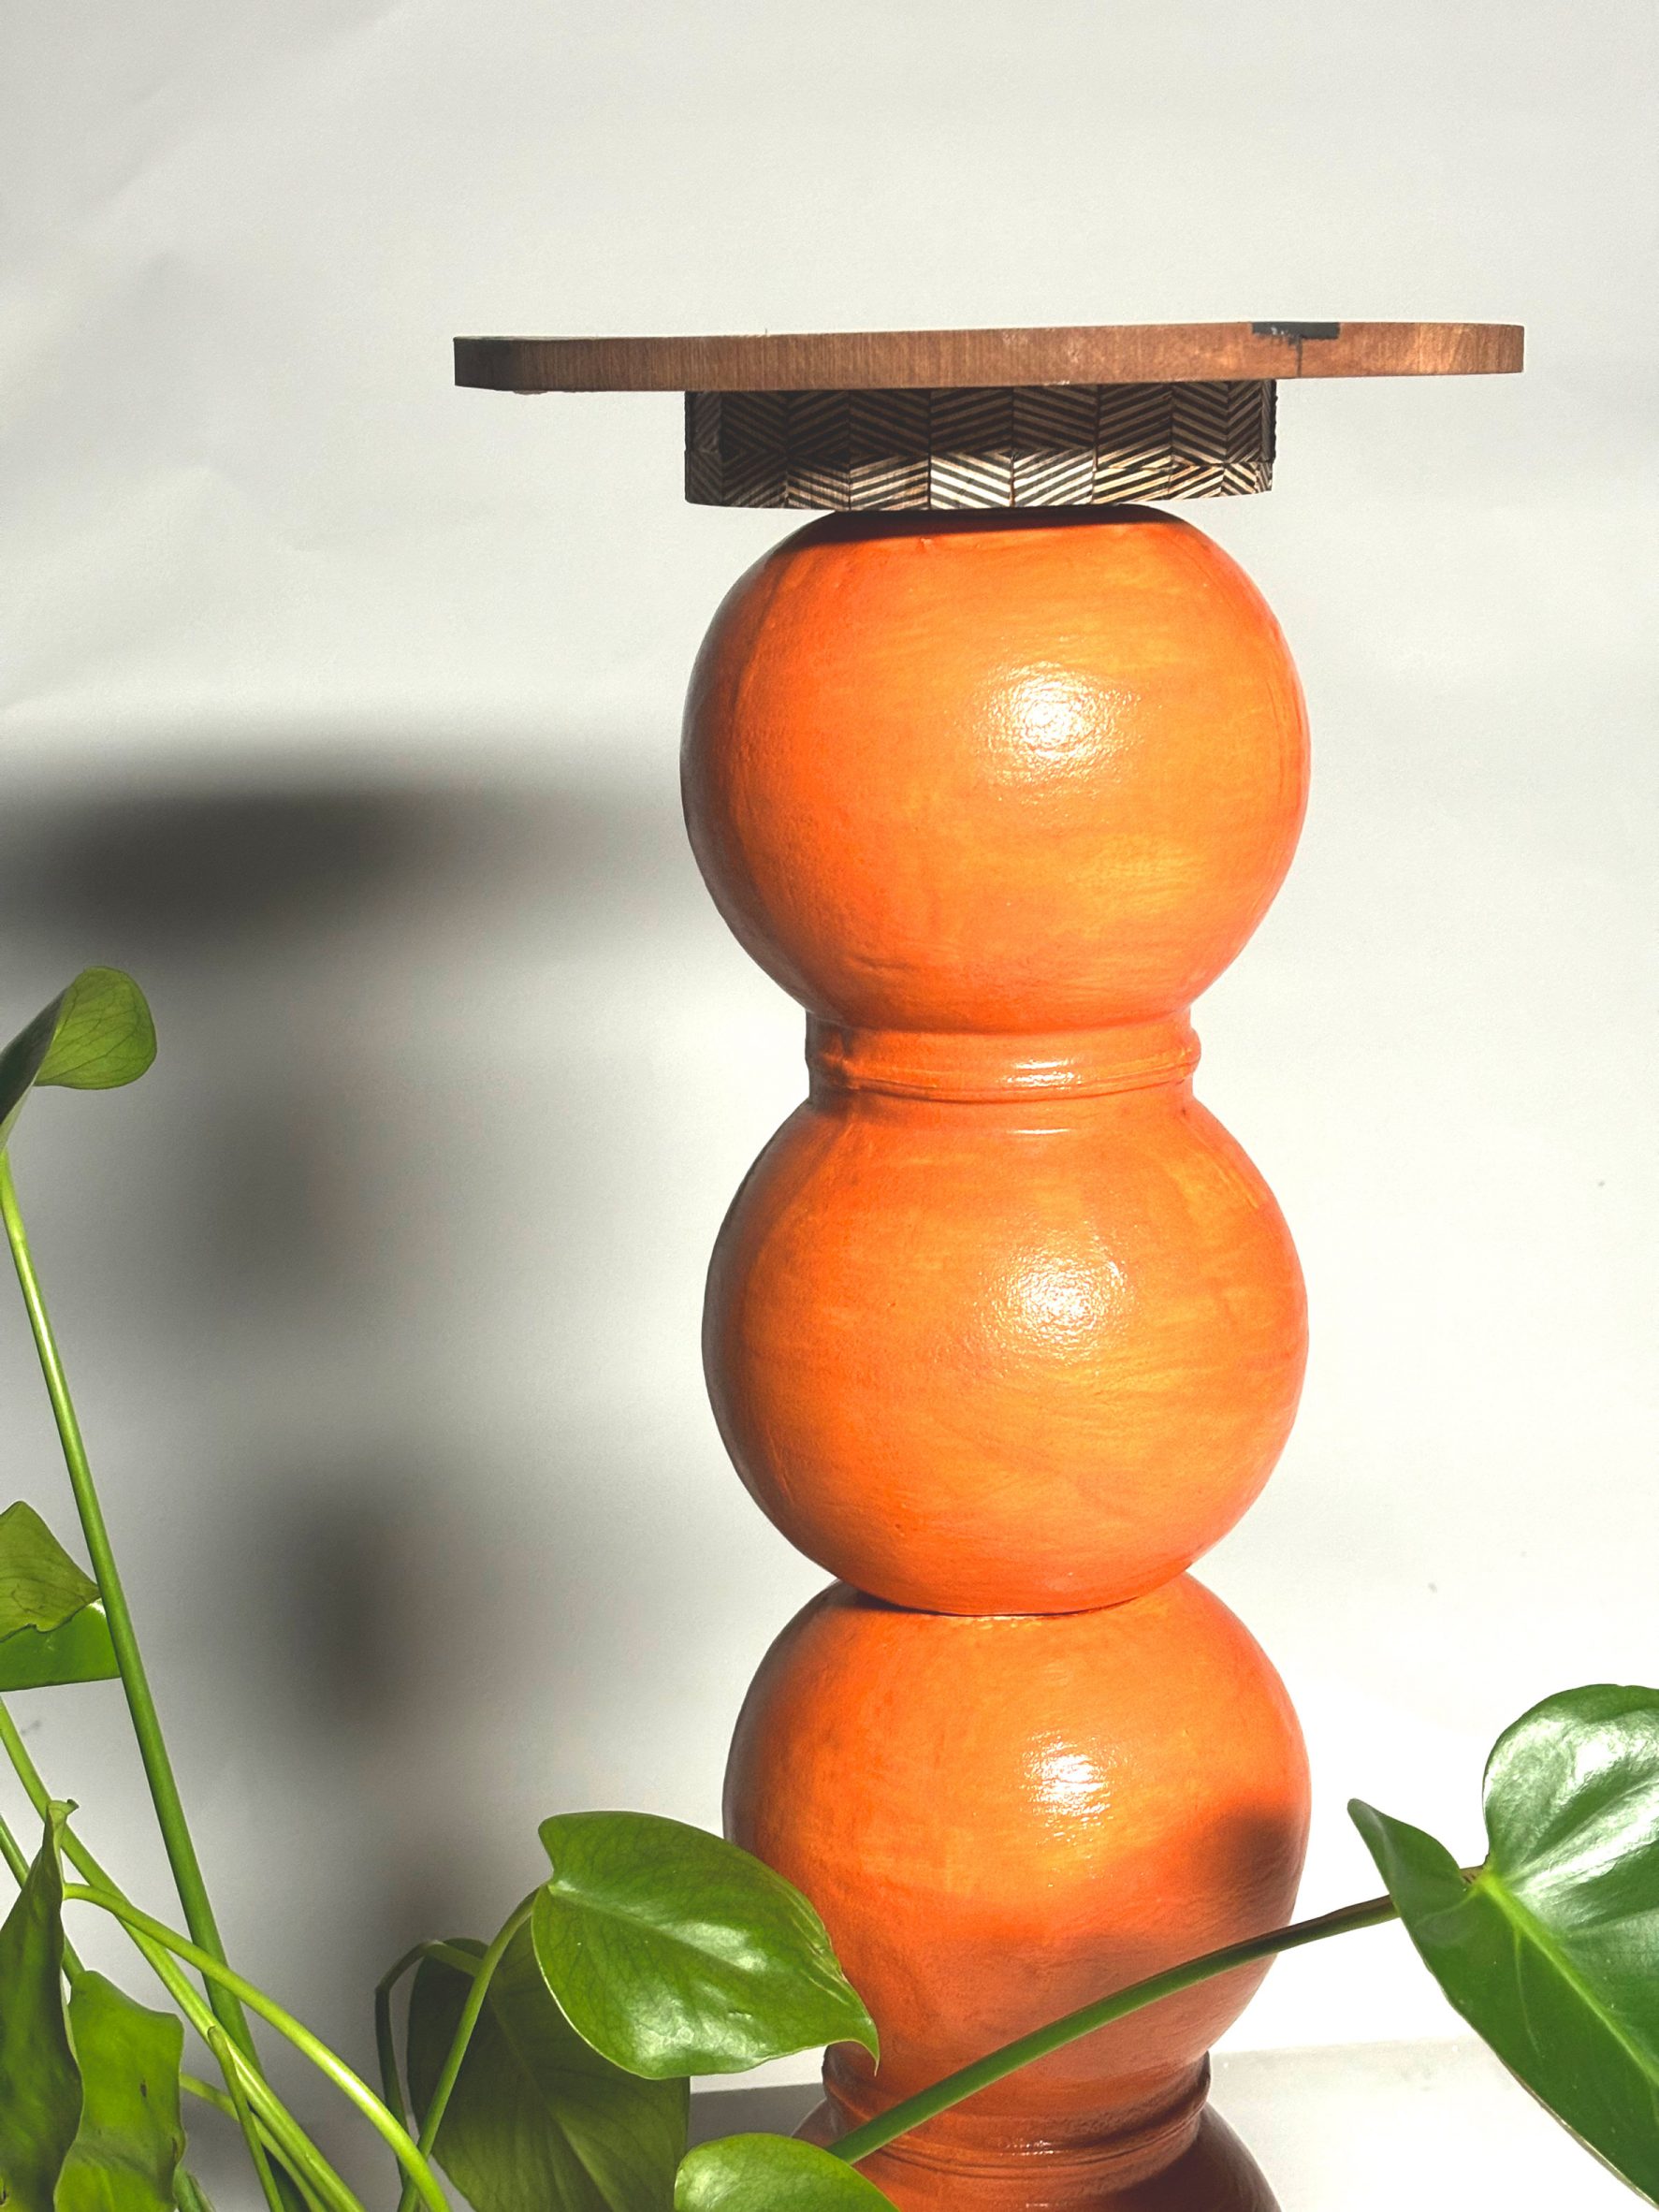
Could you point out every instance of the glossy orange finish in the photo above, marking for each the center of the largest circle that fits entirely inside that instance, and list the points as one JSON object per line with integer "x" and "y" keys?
{"x": 1003, "y": 1327}
{"x": 1214, "y": 2172}
{"x": 1008, "y": 1357}
{"x": 1002, "y": 1321}
{"x": 1004, "y": 773}
{"x": 1001, "y": 1819}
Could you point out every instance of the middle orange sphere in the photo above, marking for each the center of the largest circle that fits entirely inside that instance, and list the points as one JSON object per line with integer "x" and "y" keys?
{"x": 1009, "y": 1356}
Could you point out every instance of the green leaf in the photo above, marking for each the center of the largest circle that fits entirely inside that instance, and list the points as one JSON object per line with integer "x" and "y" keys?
{"x": 674, "y": 1953}
{"x": 39, "y": 2082}
{"x": 93, "y": 1037}
{"x": 1551, "y": 1951}
{"x": 52, "y": 1628}
{"x": 80, "y": 1652}
{"x": 125, "y": 2157}
{"x": 771, "y": 2174}
{"x": 40, "y": 1585}
{"x": 538, "y": 2121}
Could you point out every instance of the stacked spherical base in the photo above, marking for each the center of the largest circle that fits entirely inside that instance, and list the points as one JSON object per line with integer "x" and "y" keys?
{"x": 1004, "y": 1328}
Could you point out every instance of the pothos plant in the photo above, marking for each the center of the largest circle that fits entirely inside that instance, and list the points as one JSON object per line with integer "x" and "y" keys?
{"x": 547, "y": 2068}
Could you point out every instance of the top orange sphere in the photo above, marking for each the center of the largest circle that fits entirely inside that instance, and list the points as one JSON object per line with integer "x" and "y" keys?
{"x": 1004, "y": 773}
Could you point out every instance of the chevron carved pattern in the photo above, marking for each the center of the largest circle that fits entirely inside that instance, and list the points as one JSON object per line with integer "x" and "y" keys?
{"x": 1038, "y": 446}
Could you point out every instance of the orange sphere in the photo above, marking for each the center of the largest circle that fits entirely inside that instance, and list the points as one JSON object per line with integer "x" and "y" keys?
{"x": 997, "y": 772}
{"x": 1001, "y": 1820}
{"x": 1008, "y": 1357}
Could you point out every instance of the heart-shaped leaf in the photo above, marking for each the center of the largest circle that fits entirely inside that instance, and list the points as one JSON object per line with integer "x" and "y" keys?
{"x": 771, "y": 2174}
{"x": 674, "y": 1953}
{"x": 39, "y": 2082}
{"x": 1551, "y": 1951}
{"x": 95, "y": 1036}
{"x": 125, "y": 2157}
{"x": 40, "y": 1585}
{"x": 52, "y": 1628}
{"x": 538, "y": 2121}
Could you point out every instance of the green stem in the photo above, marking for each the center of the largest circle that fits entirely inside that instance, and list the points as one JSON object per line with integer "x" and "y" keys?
{"x": 482, "y": 1975}
{"x": 297, "y": 2150}
{"x": 385, "y": 2041}
{"x": 220, "y": 2045}
{"x": 304, "y": 2164}
{"x": 461, "y": 1962}
{"x": 193, "y": 2085}
{"x": 317, "y": 2199}
{"x": 327, "y": 2062}
{"x": 899, "y": 2120}
{"x": 190, "y": 2193}
{"x": 158, "y": 1767}
{"x": 17, "y": 1859}
{"x": 12, "y": 1852}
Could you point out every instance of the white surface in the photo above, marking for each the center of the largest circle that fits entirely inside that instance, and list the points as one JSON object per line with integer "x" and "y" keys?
{"x": 1356, "y": 2127}
{"x": 1432, "y": 2126}
{"x": 342, "y": 708}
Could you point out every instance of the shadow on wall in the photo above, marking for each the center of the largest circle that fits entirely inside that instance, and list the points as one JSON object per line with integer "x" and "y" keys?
{"x": 197, "y": 870}
{"x": 398, "y": 1171}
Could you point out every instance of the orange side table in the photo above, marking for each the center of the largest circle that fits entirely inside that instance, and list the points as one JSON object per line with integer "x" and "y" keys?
{"x": 996, "y": 774}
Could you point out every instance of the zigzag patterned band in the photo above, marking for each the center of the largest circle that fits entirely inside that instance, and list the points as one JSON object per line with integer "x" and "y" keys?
{"x": 1040, "y": 445}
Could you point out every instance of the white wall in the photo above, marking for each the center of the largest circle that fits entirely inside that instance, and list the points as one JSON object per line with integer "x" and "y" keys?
{"x": 342, "y": 708}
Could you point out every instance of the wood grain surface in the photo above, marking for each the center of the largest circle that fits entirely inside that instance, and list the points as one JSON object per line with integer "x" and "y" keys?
{"x": 897, "y": 360}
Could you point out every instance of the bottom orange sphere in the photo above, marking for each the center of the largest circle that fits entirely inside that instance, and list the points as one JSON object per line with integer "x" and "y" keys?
{"x": 1000, "y": 1819}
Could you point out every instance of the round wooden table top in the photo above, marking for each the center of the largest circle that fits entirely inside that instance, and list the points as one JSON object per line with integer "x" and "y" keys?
{"x": 897, "y": 360}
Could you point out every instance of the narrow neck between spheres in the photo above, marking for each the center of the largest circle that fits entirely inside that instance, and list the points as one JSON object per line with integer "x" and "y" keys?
{"x": 958, "y": 1065}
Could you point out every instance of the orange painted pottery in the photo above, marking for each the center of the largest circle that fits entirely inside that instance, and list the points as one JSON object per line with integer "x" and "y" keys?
{"x": 1003, "y": 1819}
{"x": 1017, "y": 772}
{"x": 1003, "y": 1327}
{"x": 1007, "y": 1356}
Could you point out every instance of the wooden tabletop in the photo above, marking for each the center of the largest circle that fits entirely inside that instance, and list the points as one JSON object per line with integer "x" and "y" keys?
{"x": 895, "y": 360}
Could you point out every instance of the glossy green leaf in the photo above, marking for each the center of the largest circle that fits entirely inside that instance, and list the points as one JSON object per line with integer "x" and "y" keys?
{"x": 538, "y": 2121}
{"x": 125, "y": 2157}
{"x": 674, "y": 1953}
{"x": 39, "y": 2082}
{"x": 80, "y": 1652}
{"x": 771, "y": 2174}
{"x": 93, "y": 1037}
{"x": 1551, "y": 1951}
{"x": 52, "y": 1628}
